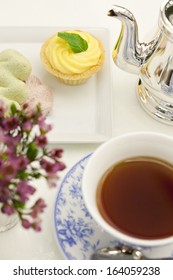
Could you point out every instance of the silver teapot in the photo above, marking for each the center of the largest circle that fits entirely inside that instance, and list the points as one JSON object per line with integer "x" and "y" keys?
{"x": 152, "y": 61}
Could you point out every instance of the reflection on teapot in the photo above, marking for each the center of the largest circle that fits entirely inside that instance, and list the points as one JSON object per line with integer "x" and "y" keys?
{"x": 152, "y": 61}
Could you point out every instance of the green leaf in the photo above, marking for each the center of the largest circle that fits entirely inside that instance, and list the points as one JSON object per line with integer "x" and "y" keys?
{"x": 75, "y": 41}
{"x": 13, "y": 109}
{"x": 19, "y": 204}
{"x": 36, "y": 175}
{"x": 23, "y": 175}
{"x": 32, "y": 151}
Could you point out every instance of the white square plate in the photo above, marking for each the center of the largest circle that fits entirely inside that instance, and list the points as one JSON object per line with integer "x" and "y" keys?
{"x": 80, "y": 114}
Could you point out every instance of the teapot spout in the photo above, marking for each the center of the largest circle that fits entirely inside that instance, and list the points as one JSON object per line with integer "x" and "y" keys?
{"x": 129, "y": 54}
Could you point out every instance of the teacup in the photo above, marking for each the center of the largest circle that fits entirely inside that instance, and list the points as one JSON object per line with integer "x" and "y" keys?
{"x": 123, "y": 216}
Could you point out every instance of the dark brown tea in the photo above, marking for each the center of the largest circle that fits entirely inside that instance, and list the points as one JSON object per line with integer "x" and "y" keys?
{"x": 135, "y": 196}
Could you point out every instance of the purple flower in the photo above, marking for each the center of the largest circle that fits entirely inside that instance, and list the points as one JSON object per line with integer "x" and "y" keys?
{"x": 56, "y": 153}
{"x": 37, "y": 225}
{"x": 9, "y": 170}
{"x": 38, "y": 208}
{"x": 26, "y": 224}
{"x": 41, "y": 141}
{"x": 24, "y": 155}
{"x": 16, "y": 139}
{"x": 7, "y": 209}
{"x": 5, "y": 194}
{"x": 22, "y": 162}
{"x": 44, "y": 127}
{"x": 9, "y": 142}
{"x": 27, "y": 125}
{"x": 52, "y": 167}
{"x": 10, "y": 123}
{"x": 24, "y": 190}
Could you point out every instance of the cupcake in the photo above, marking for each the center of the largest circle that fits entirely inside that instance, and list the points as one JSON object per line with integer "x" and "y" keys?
{"x": 18, "y": 86}
{"x": 72, "y": 56}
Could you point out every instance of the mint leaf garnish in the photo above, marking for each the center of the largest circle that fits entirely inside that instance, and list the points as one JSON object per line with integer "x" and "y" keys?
{"x": 75, "y": 41}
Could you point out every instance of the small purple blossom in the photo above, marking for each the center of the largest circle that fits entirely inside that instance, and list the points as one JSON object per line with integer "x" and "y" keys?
{"x": 7, "y": 209}
{"x": 27, "y": 125}
{"x": 25, "y": 156}
{"x": 10, "y": 123}
{"x": 9, "y": 169}
{"x": 37, "y": 225}
{"x": 51, "y": 167}
{"x": 24, "y": 190}
{"x": 38, "y": 208}
{"x": 44, "y": 127}
{"x": 56, "y": 153}
{"x": 22, "y": 162}
{"x": 4, "y": 194}
{"x": 41, "y": 141}
{"x": 26, "y": 224}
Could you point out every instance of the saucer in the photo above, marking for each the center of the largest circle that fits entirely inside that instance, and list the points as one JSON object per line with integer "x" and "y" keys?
{"x": 77, "y": 234}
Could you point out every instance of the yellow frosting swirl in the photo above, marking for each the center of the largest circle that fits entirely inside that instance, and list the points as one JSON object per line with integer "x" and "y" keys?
{"x": 62, "y": 58}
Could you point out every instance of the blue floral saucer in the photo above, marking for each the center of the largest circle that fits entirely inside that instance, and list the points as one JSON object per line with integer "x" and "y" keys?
{"x": 78, "y": 235}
